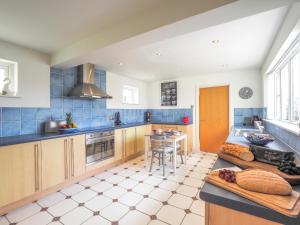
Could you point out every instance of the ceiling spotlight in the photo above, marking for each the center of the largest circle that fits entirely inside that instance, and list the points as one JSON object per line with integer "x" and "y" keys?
{"x": 216, "y": 41}
{"x": 158, "y": 53}
{"x": 121, "y": 64}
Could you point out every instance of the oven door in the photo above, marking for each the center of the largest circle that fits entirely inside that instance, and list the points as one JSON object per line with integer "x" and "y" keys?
{"x": 99, "y": 149}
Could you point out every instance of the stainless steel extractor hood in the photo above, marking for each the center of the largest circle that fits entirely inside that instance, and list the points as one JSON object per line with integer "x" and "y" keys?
{"x": 85, "y": 87}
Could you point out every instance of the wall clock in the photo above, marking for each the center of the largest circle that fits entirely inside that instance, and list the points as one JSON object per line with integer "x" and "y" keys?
{"x": 245, "y": 93}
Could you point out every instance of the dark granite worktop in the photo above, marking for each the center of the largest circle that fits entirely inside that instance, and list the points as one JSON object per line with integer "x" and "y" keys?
{"x": 38, "y": 137}
{"x": 213, "y": 194}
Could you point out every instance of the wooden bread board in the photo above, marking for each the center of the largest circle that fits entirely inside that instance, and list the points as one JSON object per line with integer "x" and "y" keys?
{"x": 286, "y": 205}
{"x": 292, "y": 179}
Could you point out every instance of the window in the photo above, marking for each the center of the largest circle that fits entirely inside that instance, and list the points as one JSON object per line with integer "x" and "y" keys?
{"x": 8, "y": 78}
{"x": 283, "y": 87}
{"x": 130, "y": 95}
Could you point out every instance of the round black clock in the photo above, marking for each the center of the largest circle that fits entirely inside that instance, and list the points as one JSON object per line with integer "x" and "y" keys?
{"x": 245, "y": 93}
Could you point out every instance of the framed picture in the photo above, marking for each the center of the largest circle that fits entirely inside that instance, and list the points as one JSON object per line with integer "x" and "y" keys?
{"x": 169, "y": 93}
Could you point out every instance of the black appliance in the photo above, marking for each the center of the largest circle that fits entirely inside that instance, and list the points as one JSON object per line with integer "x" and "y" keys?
{"x": 147, "y": 117}
{"x": 118, "y": 121}
{"x": 99, "y": 146}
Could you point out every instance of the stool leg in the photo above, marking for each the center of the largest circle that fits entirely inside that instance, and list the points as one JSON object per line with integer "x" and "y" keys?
{"x": 152, "y": 159}
{"x": 163, "y": 162}
{"x": 181, "y": 157}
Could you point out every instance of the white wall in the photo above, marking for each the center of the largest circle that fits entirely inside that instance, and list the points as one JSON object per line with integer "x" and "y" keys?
{"x": 188, "y": 92}
{"x": 114, "y": 85}
{"x": 33, "y": 76}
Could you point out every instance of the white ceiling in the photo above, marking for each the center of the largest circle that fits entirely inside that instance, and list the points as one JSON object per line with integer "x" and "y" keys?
{"x": 48, "y": 25}
{"x": 243, "y": 44}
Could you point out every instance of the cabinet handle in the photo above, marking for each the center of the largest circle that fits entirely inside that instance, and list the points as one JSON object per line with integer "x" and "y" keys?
{"x": 66, "y": 160}
{"x": 36, "y": 164}
{"x": 72, "y": 156}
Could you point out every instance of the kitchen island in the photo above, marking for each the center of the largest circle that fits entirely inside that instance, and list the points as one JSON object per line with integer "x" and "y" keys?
{"x": 226, "y": 208}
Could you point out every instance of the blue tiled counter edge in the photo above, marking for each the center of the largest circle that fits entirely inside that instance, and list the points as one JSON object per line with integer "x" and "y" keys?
{"x": 12, "y": 140}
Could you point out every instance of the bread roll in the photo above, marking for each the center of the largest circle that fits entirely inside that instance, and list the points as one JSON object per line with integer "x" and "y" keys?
{"x": 239, "y": 151}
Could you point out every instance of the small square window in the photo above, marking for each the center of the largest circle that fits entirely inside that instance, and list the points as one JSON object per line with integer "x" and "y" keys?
{"x": 130, "y": 95}
{"x": 8, "y": 78}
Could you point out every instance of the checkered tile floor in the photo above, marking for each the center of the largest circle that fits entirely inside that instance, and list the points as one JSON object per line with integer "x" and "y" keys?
{"x": 125, "y": 195}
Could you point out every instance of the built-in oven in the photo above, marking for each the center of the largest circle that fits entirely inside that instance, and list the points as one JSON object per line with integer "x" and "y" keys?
{"x": 99, "y": 146}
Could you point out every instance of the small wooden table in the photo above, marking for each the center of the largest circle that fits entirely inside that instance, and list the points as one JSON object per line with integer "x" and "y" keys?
{"x": 174, "y": 139}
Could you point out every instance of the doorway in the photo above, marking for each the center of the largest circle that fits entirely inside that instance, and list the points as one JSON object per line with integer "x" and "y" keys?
{"x": 213, "y": 117}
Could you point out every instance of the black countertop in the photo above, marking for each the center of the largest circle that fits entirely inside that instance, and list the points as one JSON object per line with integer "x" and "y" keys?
{"x": 213, "y": 194}
{"x": 12, "y": 140}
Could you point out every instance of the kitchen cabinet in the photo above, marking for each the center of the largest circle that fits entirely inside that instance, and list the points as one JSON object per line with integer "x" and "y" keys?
{"x": 140, "y": 138}
{"x": 77, "y": 155}
{"x": 119, "y": 144}
{"x": 130, "y": 141}
{"x": 62, "y": 159}
{"x": 19, "y": 171}
{"x": 55, "y": 162}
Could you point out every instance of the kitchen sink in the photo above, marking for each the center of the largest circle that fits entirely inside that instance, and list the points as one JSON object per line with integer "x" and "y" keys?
{"x": 241, "y": 132}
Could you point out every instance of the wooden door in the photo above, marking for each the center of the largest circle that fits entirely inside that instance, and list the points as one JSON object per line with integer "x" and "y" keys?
{"x": 214, "y": 117}
{"x": 19, "y": 171}
{"x": 77, "y": 155}
{"x": 140, "y": 138}
{"x": 130, "y": 144}
{"x": 119, "y": 147}
{"x": 55, "y": 165}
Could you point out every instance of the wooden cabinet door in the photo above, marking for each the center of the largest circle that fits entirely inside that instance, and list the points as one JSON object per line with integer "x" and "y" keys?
{"x": 119, "y": 147}
{"x": 19, "y": 171}
{"x": 77, "y": 155}
{"x": 130, "y": 143}
{"x": 188, "y": 130}
{"x": 140, "y": 138}
{"x": 148, "y": 129}
{"x": 156, "y": 126}
{"x": 55, "y": 165}
{"x": 169, "y": 127}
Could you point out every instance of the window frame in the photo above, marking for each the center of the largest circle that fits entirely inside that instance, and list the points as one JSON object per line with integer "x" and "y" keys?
{"x": 11, "y": 68}
{"x": 135, "y": 95}
{"x": 276, "y": 73}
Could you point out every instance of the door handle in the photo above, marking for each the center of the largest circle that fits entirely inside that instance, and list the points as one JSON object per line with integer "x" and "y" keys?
{"x": 72, "y": 157}
{"x": 65, "y": 158}
{"x": 36, "y": 163}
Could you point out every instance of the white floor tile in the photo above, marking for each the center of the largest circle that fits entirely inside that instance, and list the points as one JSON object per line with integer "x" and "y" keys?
{"x": 73, "y": 189}
{"x": 55, "y": 223}
{"x": 157, "y": 222}
{"x": 62, "y": 207}
{"x": 160, "y": 194}
{"x": 171, "y": 215}
{"x": 149, "y": 206}
{"x": 115, "y": 192}
{"x": 23, "y": 212}
{"x": 130, "y": 199}
{"x": 3, "y": 221}
{"x": 115, "y": 179}
{"x": 134, "y": 218}
{"x": 89, "y": 182}
{"x": 176, "y": 178}
{"x": 76, "y": 216}
{"x": 101, "y": 187}
{"x": 198, "y": 207}
{"x": 141, "y": 176}
{"x": 97, "y": 220}
{"x": 193, "y": 182}
{"x": 84, "y": 196}
{"x": 126, "y": 173}
{"x": 128, "y": 183}
{"x": 104, "y": 175}
{"x": 180, "y": 201}
{"x": 116, "y": 169}
{"x": 153, "y": 180}
{"x": 98, "y": 203}
{"x": 169, "y": 185}
{"x": 143, "y": 189}
{"x": 193, "y": 219}
{"x": 187, "y": 190}
{"x": 41, "y": 218}
{"x": 51, "y": 199}
{"x": 114, "y": 211}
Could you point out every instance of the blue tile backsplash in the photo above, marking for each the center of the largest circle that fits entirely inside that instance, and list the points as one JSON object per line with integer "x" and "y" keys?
{"x": 86, "y": 112}
{"x": 241, "y": 113}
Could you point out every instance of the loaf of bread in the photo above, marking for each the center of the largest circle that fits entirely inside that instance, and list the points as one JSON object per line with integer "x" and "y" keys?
{"x": 239, "y": 151}
{"x": 263, "y": 182}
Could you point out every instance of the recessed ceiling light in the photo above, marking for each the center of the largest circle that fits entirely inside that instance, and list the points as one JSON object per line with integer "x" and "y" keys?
{"x": 216, "y": 41}
{"x": 158, "y": 53}
{"x": 121, "y": 64}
